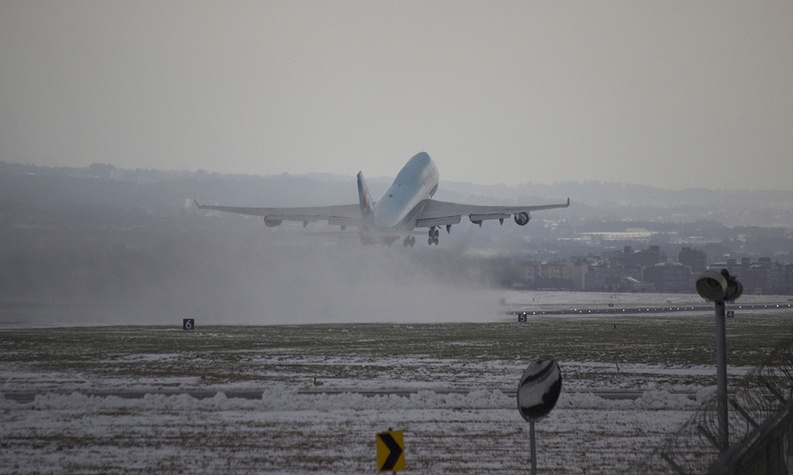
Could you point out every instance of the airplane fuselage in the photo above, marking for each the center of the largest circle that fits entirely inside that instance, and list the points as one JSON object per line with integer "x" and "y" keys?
{"x": 405, "y": 199}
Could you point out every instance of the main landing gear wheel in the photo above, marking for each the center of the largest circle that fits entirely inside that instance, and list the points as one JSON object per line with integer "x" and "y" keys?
{"x": 433, "y": 236}
{"x": 409, "y": 241}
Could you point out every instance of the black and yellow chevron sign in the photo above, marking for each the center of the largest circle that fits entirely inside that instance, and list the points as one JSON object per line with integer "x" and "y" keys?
{"x": 390, "y": 451}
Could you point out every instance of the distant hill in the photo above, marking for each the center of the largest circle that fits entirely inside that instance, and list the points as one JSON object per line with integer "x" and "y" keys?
{"x": 161, "y": 192}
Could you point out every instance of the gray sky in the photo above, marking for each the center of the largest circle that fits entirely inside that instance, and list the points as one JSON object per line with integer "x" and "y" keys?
{"x": 666, "y": 93}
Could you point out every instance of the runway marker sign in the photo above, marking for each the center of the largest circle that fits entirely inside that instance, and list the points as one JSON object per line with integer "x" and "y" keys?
{"x": 390, "y": 451}
{"x": 188, "y": 324}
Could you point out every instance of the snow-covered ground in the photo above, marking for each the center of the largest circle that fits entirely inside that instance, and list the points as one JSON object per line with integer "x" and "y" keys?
{"x": 287, "y": 432}
{"x": 453, "y": 385}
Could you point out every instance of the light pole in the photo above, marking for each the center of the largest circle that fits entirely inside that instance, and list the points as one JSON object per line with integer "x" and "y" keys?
{"x": 720, "y": 287}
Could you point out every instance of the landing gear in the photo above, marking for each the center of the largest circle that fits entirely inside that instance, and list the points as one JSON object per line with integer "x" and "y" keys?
{"x": 433, "y": 236}
{"x": 409, "y": 241}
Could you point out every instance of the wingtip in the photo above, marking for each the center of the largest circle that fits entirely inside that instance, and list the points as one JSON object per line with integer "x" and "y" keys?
{"x": 197, "y": 205}
{"x": 568, "y": 201}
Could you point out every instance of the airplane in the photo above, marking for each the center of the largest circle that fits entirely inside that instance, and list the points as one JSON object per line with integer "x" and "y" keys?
{"x": 407, "y": 205}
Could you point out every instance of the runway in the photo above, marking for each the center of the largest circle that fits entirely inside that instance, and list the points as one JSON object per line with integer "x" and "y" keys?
{"x": 613, "y": 310}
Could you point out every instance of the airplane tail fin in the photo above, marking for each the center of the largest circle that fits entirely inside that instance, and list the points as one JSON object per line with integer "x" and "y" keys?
{"x": 365, "y": 200}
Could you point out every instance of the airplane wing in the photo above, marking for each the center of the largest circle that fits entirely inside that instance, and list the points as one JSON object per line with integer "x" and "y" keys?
{"x": 442, "y": 213}
{"x": 339, "y": 215}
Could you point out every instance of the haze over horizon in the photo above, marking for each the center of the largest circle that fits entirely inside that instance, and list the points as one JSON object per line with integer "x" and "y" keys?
{"x": 673, "y": 94}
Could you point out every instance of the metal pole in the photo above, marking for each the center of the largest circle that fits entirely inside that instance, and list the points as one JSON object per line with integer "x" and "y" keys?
{"x": 533, "y": 449}
{"x": 721, "y": 374}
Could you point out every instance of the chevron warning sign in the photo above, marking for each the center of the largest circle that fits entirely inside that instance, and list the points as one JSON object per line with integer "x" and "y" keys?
{"x": 390, "y": 451}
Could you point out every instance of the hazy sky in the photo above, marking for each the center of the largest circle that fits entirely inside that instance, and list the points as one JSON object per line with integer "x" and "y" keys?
{"x": 666, "y": 93}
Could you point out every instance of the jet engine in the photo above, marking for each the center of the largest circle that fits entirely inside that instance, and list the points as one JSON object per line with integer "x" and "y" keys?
{"x": 521, "y": 219}
{"x": 270, "y": 222}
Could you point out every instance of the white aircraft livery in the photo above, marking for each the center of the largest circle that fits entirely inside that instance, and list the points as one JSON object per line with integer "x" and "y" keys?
{"x": 407, "y": 205}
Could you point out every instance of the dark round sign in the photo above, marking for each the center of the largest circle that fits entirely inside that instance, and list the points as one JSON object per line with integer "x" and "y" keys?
{"x": 539, "y": 389}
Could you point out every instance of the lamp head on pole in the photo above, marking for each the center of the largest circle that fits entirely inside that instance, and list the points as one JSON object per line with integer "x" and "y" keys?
{"x": 715, "y": 286}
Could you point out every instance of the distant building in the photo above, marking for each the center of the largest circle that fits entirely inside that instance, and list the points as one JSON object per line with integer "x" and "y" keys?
{"x": 626, "y": 270}
{"x": 596, "y": 277}
{"x": 646, "y": 257}
{"x": 669, "y": 277}
{"x": 562, "y": 274}
{"x": 696, "y": 259}
{"x": 632, "y": 284}
{"x": 760, "y": 277}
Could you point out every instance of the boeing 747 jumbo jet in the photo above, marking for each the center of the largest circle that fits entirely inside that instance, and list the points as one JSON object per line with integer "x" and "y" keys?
{"x": 407, "y": 205}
